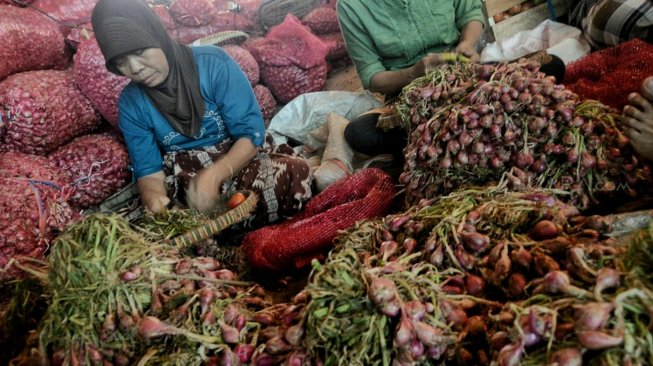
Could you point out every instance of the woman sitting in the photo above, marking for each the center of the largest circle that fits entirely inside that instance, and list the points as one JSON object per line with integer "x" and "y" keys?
{"x": 190, "y": 120}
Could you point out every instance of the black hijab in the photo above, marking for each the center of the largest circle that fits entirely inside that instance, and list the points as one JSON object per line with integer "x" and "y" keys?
{"x": 123, "y": 26}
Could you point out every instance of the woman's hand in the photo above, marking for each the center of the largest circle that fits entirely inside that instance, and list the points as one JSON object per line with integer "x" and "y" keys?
{"x": 468, "y": 49}
{"x": 204, "y": 190}
{"x": 153, "y": 191}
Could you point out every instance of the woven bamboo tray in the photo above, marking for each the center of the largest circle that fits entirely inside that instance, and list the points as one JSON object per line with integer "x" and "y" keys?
{"x": 219, "y": 223}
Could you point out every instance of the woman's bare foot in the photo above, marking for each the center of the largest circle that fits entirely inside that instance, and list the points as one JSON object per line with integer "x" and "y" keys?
{"x": 638, "y": 116}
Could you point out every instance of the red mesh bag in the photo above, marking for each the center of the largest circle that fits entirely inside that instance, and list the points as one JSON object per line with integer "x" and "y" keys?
{"x": 33, "y": 207}
{"x": 246, "y": 61}
{"x": 322, "y": 20}
{"x": 98, "y": 165}
{"x": 100, "y": 86}
{"x": 30, "y": 41}
{"x": 42, "y": 110}
{"x": 611, "y": 74}
{"x": 192, "y": 13}
{"x": 364, "y": 195}
{"x": 68, "y": 12}
{"x": 162, "y": 12}
{"x": 266, "y": 101}
{"x": 291, "y": 42}
{"x": 292, "y": 59}
{"x": 338, "y": 49}
{"x": 288, "y": 82}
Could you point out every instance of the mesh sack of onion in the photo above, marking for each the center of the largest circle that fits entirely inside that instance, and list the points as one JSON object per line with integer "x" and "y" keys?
{"x": 610, "y": 75}
{"x": 42, "y": 110}
{"x": 470, "y": 123}
{"x": 68, "y": 13}
{"x": 367, "y": 193}
{"x": 291, "y": 59}
{"x": 33, "y": 207}
{"x": 23, "y": 31}
{"x": 97, "y": 164}
{"x": 100, "y": 86}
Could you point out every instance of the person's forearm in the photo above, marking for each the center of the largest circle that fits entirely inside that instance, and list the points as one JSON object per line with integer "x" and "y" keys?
{"x": 391, "y": 82}
{"x": 471, "y": 32}
{"x": 241, "y": 153}
{"x": 152, "y": 190}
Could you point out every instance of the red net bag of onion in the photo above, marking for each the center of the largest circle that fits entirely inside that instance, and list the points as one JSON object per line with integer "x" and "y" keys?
{"x": 42, "y": 110}
{"x": 193, "y": 13}
{"x": 33, "y": 207}
{"x": 470, "y": 124}
{"x": 291, "y": 59}
{"x": 290, "y": 245}
{"x": 100, "y": 86}
{"x": 98, "y": 166}
{"x": 69, "y": 13}
{"x": 31, "y": 41}
{"x": 611, "y": 74}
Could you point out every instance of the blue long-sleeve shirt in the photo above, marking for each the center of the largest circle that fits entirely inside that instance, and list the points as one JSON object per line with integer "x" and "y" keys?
{"x": 231, "y": 111}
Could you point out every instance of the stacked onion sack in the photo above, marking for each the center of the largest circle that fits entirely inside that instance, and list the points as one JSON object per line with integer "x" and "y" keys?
{"x": 323, "y": 22}
{"x": 33, "y": 207}
{"x": 483, "y": 276}
{"x": 97, "y": 165}
{"x": 471, "y": 123}
{"x": 291, "y": 59}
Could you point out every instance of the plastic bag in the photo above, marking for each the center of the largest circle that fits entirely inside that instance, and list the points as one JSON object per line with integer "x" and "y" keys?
{"x": 558, "y": 39}
{"x": 308, "y": 111}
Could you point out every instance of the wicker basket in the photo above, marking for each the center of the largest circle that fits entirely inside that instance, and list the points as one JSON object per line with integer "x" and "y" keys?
{"x": 219, "y": 223}
{"x": 222, "y": 39}
{"x": 273, "y": 12}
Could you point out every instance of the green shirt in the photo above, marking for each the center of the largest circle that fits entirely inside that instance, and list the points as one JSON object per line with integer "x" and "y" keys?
{"x": 385, "y": 35}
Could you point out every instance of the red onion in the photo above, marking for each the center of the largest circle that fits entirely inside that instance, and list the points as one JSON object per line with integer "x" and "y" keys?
{"x": 499, "y": 339}
{"x": 605, "y": 278}
{"x": 277, "y": 345}
{"x": 397, "y": 223}
{"x": 151, "y": 327}
{"x": 129, "y": 276}
{"x": 474, "y": 241}
{"x": 475, "y": 285}
{"x": 409, "y": 245}
{"x": 414, "y": 309}
{"x": 207, "y": 263}
{"x": 294, "y": 334}
{"x": 522, "y": 257}
{"x": 230, "y": 335}
{"x": 545, "y": 229}
{"x": 510, "y": 355}
{"x": 206, "y": 296}
{"x": 244, "y": 352}
{"x": 516, "y": 284}
{"x": 388, "y": 248}
{"x": 595, "y": 339}
{"x": 382, "y": 290}
{"x": 405, "y": 331}
{"x": 429, "y": 335}
{"x": 391, "y": 308}
{"x": 563, "y": 330}
{"x": 566, "y": 357}
{"x": 558, "y": 282}
{"x": 544, "y": 263}
{"x": 593, "y": 315}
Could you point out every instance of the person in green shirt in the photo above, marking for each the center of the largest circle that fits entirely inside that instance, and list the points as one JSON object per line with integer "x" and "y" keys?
{"x": 392, "y": 42}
